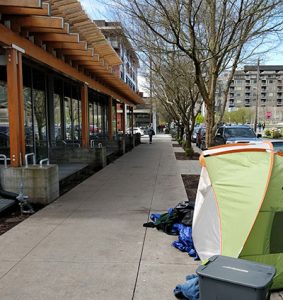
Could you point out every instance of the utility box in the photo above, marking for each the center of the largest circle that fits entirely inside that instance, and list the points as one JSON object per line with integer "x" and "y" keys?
{"x": 230, "y": 278}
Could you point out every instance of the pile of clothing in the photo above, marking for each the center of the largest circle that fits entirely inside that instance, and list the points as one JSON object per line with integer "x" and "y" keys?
{"x": 177, "y": 221}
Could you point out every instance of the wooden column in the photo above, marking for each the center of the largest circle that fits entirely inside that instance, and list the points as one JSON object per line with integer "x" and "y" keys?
{"x": 21, "y": 108}
{"x": 85, "y": 121}
{"x": 123, "y": 119}
{"x": 110, "y": 117}
{"x": 15, "y": 106}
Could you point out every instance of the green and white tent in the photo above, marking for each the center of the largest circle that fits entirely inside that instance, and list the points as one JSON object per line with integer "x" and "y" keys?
{"x": 239, "y": 205}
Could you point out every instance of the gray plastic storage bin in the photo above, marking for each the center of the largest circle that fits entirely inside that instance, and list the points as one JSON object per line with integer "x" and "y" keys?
{"x": 227, "y": 278}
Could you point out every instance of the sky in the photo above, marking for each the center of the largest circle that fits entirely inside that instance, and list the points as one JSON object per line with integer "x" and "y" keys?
{"x": 97, "y": 9}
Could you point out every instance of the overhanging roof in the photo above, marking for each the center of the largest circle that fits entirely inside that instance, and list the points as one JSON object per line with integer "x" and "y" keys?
{"x": 63, "y": 29}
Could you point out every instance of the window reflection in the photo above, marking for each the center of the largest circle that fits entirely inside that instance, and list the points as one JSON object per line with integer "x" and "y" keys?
{"x": 4, "y": 116}
{"x": 97, "y": 115}
{"x": 39, "y": 110}
{"x": 57, "y": 100}
{"x": 72, "y": 113}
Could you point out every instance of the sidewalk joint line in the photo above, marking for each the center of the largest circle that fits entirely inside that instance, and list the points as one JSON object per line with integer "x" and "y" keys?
{"x": 145, "y": 232}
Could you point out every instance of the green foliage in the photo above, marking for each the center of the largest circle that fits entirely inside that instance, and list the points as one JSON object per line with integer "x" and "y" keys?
{"x": 241, "y": 116}
{"x": 275, "y": 133}
{"x": 267, "y": 132}
{"x": 199, "y": 119}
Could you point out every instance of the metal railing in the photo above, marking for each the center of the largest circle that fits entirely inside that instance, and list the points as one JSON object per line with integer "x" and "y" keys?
{"x": 43, "y": 161}
{"x": 92, "y": 143}
{"x": 4, "y": 157}
{"x": 33, "y": 158}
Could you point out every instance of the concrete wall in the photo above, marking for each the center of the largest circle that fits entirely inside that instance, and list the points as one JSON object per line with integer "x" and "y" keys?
{"x": 95, "y": 157}
{"x": 40, "y": 184}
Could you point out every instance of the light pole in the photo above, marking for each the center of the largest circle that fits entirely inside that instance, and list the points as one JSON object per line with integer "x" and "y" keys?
{"x": 257, "y": 96}
{"x": 150, "y": 89}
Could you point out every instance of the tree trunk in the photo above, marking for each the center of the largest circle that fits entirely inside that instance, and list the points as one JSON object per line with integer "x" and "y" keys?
{"x": 181, "y": 131}
{"x": 209, "y": 120}
{"x": 188, "y": 136}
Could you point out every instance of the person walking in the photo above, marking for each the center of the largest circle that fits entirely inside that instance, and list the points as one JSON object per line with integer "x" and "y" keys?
{"x": 150, "y": 133}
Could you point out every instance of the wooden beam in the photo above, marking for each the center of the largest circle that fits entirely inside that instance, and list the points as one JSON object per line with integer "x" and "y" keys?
{"x": 80, "y": 58}
{"x": 85, "y": 123}
{"x": 43, "y": 29}
{"x": 88, "y": 52}
{"x": 67, "y": 7}
{"x": 77, "y": 18}
{"x": 22, "y": 3}
{"x": 59, "y": 37}
{"x": 17, "y": 10}
{"x": 65, "y": 45}
{"x": 13, "y": 108}
{"x": 8, "y": 37}
{"x": 38, "y": 21}
{"x": 74, "y": 14}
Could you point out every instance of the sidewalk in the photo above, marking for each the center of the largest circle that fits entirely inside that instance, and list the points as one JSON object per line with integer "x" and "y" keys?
{"x": 90, "y": 243}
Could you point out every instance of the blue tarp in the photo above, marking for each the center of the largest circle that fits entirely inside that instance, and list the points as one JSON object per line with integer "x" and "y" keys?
{"x": 185, "y": 240}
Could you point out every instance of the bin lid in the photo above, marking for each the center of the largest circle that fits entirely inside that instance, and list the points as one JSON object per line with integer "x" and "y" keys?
{"x": 237, "y": 271}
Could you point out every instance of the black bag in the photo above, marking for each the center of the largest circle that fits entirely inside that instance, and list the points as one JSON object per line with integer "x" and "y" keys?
{"x": 153, "y": 132}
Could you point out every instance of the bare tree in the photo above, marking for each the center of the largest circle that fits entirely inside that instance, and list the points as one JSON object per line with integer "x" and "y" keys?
{"x": 174, "y": 86}
{"x": 172, "y": 78}
{"x": 214, "y": 34}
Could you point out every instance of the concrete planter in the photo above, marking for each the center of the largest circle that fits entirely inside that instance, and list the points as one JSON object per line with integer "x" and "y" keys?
{"x": 41, "y": 184}
{"x": 95, "y": 157}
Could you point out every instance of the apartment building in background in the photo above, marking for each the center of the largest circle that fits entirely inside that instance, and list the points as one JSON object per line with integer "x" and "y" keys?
{"x": 128, "y": 70}
{"x": 260, "y": 87}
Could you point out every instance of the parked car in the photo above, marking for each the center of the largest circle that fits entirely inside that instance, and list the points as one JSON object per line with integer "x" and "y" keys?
{"x": 135, "y": 130}
{"x": 200, "y": 136}
{"x": 235, "y": 134}
{"x": 202, "y": 145}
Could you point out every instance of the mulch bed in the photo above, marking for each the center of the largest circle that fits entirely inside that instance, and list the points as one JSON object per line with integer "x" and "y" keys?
{"x": 183, "y": 156}
{"x": 10, "y": 220}
{"x": 176, "y": 145}
{"x": 191, "y": 185}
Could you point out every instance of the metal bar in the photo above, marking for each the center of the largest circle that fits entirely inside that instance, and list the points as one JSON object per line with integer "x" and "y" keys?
{"x": 33, "y": 158}
{"x": 5, "y": 159}
{"x": 44, "y": 160}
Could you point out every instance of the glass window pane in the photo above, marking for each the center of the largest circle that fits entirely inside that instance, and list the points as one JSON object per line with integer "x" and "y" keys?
{"x": 4, "y": 116}
{"x": 58, "y": 94}
{"x": 39, "y": 110}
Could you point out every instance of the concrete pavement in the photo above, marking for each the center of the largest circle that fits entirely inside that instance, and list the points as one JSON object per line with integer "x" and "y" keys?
{"x": 90, "y": 243}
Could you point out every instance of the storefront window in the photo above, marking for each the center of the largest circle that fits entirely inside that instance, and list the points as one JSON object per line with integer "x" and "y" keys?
{"x": 114, "y": 118}
{"x": 72, "y": 113}
{"x": 39, "y": 108}
{"x": 76, "y": 108}
{"x": 57, "y": 100}
{"x": 28, "y": 111}
{"x": 97, "y": 115}
{"x": 4, "y": 116}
